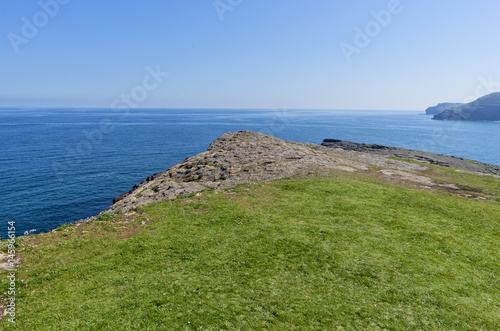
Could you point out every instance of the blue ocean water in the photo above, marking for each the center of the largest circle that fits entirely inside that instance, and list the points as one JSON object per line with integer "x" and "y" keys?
{"x": 61, "y": 165}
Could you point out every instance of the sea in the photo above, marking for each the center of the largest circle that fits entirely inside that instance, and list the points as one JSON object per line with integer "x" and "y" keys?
{"x": 61, "y": 165}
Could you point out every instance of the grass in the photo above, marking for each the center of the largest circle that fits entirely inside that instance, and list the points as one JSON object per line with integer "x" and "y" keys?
{"x": 484, "y": 186}
{"x": 342, "y": 251}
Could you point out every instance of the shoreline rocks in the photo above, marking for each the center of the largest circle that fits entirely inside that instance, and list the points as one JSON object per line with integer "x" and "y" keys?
{"x": 250, "y": 157}
{"x": 402, "y": 153}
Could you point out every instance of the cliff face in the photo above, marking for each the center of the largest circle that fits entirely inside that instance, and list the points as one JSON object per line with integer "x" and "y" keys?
{"x": 486, "y": 108}
{"x": 249, "y": 157}
{"x": 441, "y": 107}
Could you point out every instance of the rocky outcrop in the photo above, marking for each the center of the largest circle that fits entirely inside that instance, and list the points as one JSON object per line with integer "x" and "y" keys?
{"x": 437, "y": 159}
{"x": 486, "y": 108}
{"x": 246, "y": 157}
{"x": 352, "y": 146}
{"x": 250, "y": 157}
{"x": 441, "y": 107}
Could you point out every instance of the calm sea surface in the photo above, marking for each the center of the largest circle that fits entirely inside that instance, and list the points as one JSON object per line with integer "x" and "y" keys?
{"x": 58, "y": 166}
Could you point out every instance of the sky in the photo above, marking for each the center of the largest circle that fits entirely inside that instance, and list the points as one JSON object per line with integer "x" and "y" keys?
{"x": 269, "y": 54}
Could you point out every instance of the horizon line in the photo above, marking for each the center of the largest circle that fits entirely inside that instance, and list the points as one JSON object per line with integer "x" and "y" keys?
{"x": 200, "y": 108}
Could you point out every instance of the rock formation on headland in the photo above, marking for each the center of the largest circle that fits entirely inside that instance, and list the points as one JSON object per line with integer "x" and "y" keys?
{"x": 403, "y": 153}
{"x": 486, "y": 108}
{"x": 441, "y": 107}
{"x": 248, "y": 157}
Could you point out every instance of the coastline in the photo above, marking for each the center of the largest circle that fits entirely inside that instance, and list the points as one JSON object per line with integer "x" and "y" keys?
{"x": 249, "y": 157}
{"x": 254, "y": 214}
{"x": 274, "y": 215}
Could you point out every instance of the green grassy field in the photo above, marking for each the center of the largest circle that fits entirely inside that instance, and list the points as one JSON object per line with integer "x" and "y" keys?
{"x": 334, "y": 251}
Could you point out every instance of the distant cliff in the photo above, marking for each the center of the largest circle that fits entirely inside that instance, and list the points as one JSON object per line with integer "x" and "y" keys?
{"x": 441, "y": 108}
{"x": 486, "y": 108}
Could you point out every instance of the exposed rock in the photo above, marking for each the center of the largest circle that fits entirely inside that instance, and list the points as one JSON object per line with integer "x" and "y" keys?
{"x": 247, "y": 157}
{"x": 438, "y": 159}
{"x": 352, "y": 146}
{"x": 7, "y": 263}
{"x": 250, "y": 157}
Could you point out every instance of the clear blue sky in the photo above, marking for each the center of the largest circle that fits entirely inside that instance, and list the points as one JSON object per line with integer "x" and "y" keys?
{"x": 264, "y": 54}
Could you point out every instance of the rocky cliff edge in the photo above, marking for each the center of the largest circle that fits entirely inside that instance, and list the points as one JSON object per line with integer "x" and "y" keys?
{"x": 249, "y": 157}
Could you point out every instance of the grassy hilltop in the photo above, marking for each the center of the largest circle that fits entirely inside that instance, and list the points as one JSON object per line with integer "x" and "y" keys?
{"x": 329, "y": 249}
